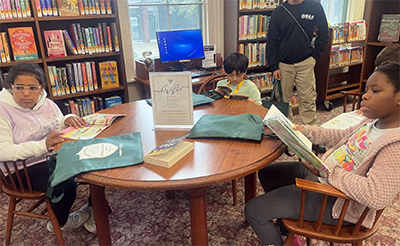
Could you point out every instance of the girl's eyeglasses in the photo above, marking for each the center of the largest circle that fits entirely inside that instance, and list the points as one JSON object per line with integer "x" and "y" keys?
{"x": 31, "y": 88}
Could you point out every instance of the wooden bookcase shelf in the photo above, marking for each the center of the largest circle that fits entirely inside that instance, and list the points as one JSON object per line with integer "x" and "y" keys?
{"x": 375, "y": 9}
{"x": 331, "y": 81}
{"x": 40, "y": 24}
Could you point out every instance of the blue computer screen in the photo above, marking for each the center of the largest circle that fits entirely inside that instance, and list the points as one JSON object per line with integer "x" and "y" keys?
{"x": 180, "y": 45}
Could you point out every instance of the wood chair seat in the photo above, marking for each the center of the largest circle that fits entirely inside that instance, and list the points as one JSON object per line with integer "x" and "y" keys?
{"x": 12, "y": 185}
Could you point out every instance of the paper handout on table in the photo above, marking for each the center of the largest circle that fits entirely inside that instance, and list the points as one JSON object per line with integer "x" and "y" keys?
{"x": 96, "y": 123}
{"x": 295, "y": 140}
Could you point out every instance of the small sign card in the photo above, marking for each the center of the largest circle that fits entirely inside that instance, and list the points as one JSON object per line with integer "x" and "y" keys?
{"x": 171, "y": 95}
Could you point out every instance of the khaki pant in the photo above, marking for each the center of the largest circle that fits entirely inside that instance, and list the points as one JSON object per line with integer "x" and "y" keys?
{"x": 301, "y": 74}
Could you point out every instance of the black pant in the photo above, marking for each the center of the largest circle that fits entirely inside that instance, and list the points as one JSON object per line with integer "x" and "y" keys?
{"x": 39, "y": 176}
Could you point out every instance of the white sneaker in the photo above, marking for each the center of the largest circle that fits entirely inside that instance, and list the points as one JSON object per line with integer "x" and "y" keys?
{"x": 90, "y": 224}
{"x": 75, "y": 220}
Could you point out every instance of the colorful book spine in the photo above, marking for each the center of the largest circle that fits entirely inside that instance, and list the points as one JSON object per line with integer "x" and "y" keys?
{"x": 6, "y": 45}
{"x": 76, "y": 77}
{"x": 108, "y": 7}
{"x": 80, "y": 38}
{"x": 94, "y": 75}
{"x": 23, "y": 8}
{"x": 56, "y": 81}
{"x": 38, "y": 8}
{"x": 90, "y": 7}
{"x": 86, "y": 6}
{"x": 81, "y": 85}
{"x": 52, "y": 82}
{"x": 70, "y": 45}
{"x": 109, "y": 39}
{"x": 44, "y": 7}
{"x": 49, "y": 8}
{"x": 115, "y": 38}
{"x": 101, "y": 37}
{"x": 84, "y": 77}
{"x": 13, "y": 9}
{"x": 2, "y": 54}
{"x": 97, "y": 5}
{"x": 55, "y": 9}
{"x": 65, "y": 80}
{"x": 2, "y": 13}
{"x": 75, "y": 38}
{"x": 85, "y": 43}
{"x": 89, "y": 43}
{"x": 89, "y": 75}
{"x": 28, "y": 8}
{"x": 103, "y": 7}
{"x": 60, "y": 81}
{"x": 95, "y": 40}
{"x": 18, "y": 8}
{"x": 81, "y": 7}
{"x": 7, "y": 9}
{"x": 91, "y": 37}
{"x": 105, "y": 37}
{"x": 71, "y": 78}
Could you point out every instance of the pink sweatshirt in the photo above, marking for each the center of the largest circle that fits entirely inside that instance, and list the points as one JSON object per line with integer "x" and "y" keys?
{"x": 375, "y": 183}
{"x": 23, "y": 131}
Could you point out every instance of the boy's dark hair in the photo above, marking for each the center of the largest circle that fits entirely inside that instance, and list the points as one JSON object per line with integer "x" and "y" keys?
{"x": 391, "y": 70}
{"x": 388, "y": 54}
{"x": 236, "y": 62}
{"x": 32, "y": 69}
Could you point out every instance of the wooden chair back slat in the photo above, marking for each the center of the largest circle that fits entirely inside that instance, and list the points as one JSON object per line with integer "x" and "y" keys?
{"x": 28, "y": 180}
{"x": 211, "y": 82}
{"x": 21, "y": 184}
{"x": 360, "y": 220}
{"x": 11, "y": 181}
{"x": 341, "y": 217}
{"x": 321, "y": 213}
{"x": 302, "y": 207}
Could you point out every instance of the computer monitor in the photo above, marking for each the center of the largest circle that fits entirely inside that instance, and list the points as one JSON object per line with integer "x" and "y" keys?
{"x": 180, "y": 46}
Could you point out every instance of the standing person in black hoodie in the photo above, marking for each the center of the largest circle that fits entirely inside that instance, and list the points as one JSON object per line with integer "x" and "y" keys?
{"x": 297, "y": 37}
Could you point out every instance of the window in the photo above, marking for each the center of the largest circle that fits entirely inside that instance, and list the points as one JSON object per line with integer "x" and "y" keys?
{"x": 335, "y": 10}
{"x": 149, "y": 16}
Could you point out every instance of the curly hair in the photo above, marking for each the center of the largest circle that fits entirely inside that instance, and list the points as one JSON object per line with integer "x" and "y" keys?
{"x": 32, "y": 69}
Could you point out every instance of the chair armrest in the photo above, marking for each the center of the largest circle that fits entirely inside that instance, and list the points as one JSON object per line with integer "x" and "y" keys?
{"x": 319, "y": 188}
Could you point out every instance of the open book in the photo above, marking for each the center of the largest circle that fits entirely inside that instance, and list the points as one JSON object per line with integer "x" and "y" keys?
{"x": 96, "y": 123}
{"x": 295, "y": 140}
{"x": 227, "y": 93}
{"x": 344, "y": 120}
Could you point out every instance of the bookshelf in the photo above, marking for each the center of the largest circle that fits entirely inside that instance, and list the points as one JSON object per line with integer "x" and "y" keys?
{"x": 331, "y": 80}
{"x": 375, "y": 9}
{"x": 41, "y": 24}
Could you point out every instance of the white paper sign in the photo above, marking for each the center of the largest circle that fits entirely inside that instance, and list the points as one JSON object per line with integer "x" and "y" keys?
{"x": 209, "y": 56}
{"x": 171, "y": 96}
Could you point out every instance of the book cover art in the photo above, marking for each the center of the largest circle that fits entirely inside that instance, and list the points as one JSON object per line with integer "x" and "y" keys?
{"x": 54, "y": 43}
{"x": 390, "y": 28}
{"x": 68, "y": 7}
{"x": 108, "y": 74}
{"x": 112, "y": 101}
{"x": 23, "y": 43}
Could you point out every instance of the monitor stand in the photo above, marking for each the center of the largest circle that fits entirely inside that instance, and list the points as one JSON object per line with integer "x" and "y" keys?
{"x": 179, "y": 67}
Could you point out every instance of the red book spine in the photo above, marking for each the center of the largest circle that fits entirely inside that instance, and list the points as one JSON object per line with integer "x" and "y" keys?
{"x": 84, "y": 77}
{"x": 94, "y": 76}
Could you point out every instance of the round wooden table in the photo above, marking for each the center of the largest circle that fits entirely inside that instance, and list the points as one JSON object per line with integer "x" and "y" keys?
{"x": 212, "y": 161}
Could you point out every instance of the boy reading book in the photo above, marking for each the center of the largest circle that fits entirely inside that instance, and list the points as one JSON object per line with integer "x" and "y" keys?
{"x": 235, "y": 66}
{"x": 364, "y": 163}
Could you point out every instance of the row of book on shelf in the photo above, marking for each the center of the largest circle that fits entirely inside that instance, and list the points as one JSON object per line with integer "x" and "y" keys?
{"x": 258, "y": 4}
{"x": 47, "y": 8}
{"x": 253, "y": 26}
{"x": 83, "y": 40}
{"x": 82, "y": 77}
{"x": 255, "y": 52}
{"x": 349, "y": 31}
{"x": 11, "y": 9}
{"x": 19, "y": 42}
{"x": 264, "y": 81}
{"x": 88, "y": 105}
{"x": 341, "y": 56}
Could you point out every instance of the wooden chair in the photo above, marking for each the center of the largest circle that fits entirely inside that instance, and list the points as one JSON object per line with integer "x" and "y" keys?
{"x": 356, "y": 99}
{"x": 354, "y": 234}
{"x": 14, "y": 188}
{"x": 211, "y": 82}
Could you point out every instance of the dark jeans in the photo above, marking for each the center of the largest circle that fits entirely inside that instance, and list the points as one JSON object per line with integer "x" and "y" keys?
{"x": 282, "y": 200}
{"x": 39, "y": 176}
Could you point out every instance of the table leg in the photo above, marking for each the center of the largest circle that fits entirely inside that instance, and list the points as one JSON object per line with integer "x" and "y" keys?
{"x": 250, "y": 191}
{"x": 198, "y": 217}
{"x": 100, "y": 211}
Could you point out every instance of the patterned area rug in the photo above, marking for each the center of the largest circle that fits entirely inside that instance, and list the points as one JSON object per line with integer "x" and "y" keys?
{"x": 149, "y": 218}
